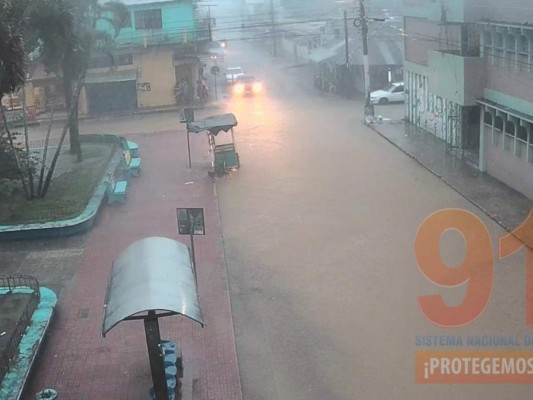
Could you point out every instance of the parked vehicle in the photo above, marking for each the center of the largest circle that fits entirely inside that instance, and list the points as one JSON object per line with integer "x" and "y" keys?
{"x": 247, "y": 85}
{"x": 394, "y": 92}
{"x": 232, "y": 73}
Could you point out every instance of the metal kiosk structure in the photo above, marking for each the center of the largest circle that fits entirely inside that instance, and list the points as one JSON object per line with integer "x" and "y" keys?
{"x": 151, "y": 279}
{"x": 225, "y": 157}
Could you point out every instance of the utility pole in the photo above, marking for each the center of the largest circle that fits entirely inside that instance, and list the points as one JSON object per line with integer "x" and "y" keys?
{"x": 363, "y": 20}
{"x": 347, "y": 54}
{"x": 369, "y": 108}
{"x": 273, "y": 30}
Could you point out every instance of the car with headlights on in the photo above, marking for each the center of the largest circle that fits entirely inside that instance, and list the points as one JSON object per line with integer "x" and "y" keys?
{"x": 247, "y": 85}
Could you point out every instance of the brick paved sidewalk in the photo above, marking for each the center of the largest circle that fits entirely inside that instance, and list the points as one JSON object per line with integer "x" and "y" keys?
{"x": 76, "y": 360}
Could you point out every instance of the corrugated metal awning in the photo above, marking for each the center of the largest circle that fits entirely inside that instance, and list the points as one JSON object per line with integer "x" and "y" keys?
{"x": 154, "y": 273}
{"x": 111, "y": 76}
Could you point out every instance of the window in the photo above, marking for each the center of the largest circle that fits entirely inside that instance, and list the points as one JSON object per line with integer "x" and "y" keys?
{"x": 399, "y": 89}
{"x": 127, "y": 23}
{"x": 498, "y": 123}
{"x": 488, "y": 118}
{"x": 509, "y": 128}
{"x": 523, "y": 53}
{"x": 498, "y": 54}
{"x": 148, "y": 19}
{"x": 521, "y": 133}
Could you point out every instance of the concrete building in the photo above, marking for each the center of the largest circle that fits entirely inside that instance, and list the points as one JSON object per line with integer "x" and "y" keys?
{"x": 468, "y": 68}
{"x": 163, "y": 43}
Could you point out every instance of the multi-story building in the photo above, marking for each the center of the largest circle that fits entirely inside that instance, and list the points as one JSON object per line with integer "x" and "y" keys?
{"x": 160, "y": 45}
{"x": 468, "y": 67}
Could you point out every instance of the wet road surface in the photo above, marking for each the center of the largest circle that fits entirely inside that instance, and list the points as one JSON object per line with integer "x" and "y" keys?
{"x": 319, "y": 227}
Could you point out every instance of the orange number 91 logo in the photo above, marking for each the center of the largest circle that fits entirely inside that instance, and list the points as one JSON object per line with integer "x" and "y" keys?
{"x": 476, "y": 270}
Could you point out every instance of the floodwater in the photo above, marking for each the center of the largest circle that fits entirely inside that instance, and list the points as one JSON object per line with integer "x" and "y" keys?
{"x": 319, "y": 227}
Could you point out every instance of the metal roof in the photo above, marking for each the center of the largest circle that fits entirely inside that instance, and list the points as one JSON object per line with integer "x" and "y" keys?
{"x": 381, "y": 52}
{"x": 154, "y": 273}
{"x": 214, "y": 124}
{"x": 141, "y": 2}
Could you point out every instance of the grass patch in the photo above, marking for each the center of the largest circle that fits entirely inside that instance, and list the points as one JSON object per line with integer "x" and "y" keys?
{"x": 67, "y": 196}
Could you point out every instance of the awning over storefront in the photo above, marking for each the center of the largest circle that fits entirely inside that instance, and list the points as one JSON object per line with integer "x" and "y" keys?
{"x": 111, "y": 76}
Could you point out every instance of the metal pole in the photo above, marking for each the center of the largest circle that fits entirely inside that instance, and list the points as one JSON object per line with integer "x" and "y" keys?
{"x": 157, "y": 365}
{"x": 482, "y": 162}
{"x": 216, "y": 94}
{"x": 346, "y": 53}
{"x": 191, "y": 234}
{"x": 189, "y": 146}
{"x": 274, "y": 44}
{"x": 364, "y": 26}
{"x": 209, "y": 19}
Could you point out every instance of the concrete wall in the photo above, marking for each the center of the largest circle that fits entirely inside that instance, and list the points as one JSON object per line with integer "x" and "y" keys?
{"x": 456, "y": 78}
{"x": 515, "y": 171}
{"x": 510, "y": 11}
{"x": 177, "y": 17}
{"x": 518, "y": 84}
{"x": 155, "y": 66}
{"x": 423, "y": 36}
{"x": 435, "y": 114}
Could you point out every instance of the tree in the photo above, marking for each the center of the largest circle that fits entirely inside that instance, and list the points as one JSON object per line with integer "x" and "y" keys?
{"x": 11, "y": 46}
{"x": 15, "y": 162}
{"x": 69, "y": 33}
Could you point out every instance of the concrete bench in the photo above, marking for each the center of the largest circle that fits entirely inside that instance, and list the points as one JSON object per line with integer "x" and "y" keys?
{"x": 116, "y": 190}
{"x": 133, "y": 148}
{"x": 130, "y": 162}
{"x": 131, "y": 166}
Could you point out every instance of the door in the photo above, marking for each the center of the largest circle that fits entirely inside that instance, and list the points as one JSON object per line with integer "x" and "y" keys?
{"x": 397, "y": 94}
{"x": 111, "y": 97}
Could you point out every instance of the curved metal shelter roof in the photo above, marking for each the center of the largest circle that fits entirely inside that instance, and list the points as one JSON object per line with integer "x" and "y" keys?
{"x": 214, "y": 124}
{"x": 154, "y": 273}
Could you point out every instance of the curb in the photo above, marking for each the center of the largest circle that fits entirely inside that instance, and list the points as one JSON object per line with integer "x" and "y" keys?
{"x": 67, "y": 227}
{"x": 129, "y": 114}
{"x": 225, "y": 265}
{"x": 442, "y": 178}
{"x": 14, "y": 382}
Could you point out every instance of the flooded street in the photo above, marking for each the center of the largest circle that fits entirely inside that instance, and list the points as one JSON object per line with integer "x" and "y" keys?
{"x": 319, "y": 227}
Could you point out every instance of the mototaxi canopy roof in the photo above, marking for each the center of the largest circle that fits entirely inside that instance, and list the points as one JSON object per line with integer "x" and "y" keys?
{"x": 214, "y": 124}
{"x": 154, "y": 273}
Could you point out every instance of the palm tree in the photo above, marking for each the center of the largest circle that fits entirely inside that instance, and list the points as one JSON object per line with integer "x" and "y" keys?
{"x": 68, "y": 34}
{"x": 12, "y": 77}
{"x": 11, "y": 46}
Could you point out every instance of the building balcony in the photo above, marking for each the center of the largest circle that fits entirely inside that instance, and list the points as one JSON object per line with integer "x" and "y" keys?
{"x": 199, "y": 32}
{"x": 455, "y": 77}
{"x": 455, "y": 11}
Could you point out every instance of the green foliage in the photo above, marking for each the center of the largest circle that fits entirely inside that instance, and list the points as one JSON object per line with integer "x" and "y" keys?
{"x": 12, "y": 51}
{"x": 7, "y": 188}
{"x": 68, "y": 196}
{"x": 8, "y": 163}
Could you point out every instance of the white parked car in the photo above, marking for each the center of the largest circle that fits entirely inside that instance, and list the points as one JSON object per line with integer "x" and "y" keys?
{"x": 392, "y": 93}
{"x": 233, "y": 73}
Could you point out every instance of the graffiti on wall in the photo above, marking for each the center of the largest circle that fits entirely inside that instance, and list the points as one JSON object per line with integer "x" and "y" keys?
{"x": 441, "y": 117}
